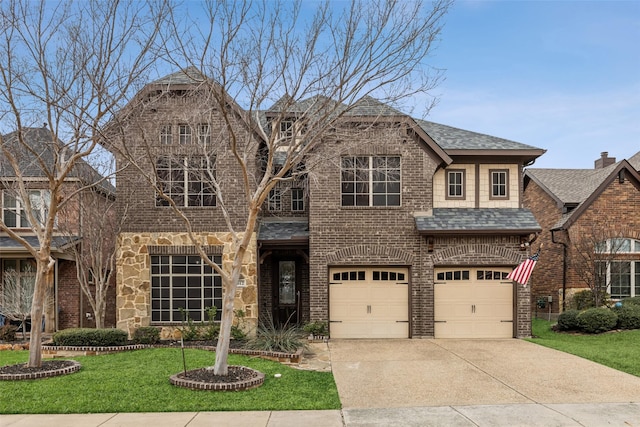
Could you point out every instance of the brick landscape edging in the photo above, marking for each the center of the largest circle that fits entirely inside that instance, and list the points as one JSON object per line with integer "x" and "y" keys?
{"x": 180, "y": 381}
{"x": 74, "y": 367}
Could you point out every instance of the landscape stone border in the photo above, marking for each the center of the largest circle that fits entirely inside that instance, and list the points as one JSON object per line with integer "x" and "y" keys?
{"x": 256, "y": 381}
{"x": 70, "y": 369}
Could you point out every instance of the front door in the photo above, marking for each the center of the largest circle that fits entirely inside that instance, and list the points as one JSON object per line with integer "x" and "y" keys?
{"x": 286, "y": 291}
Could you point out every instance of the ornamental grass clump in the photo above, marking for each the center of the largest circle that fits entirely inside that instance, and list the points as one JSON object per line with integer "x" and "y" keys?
{"x": 285, "y": 338}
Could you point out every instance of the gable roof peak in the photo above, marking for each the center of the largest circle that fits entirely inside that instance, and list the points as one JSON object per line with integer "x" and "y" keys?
{"x": 189, "y": 75}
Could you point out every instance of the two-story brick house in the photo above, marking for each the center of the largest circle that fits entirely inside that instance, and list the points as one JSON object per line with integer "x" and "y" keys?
{"x": 69, "y": 306}
{"x": 583, "y": 205}
{"x": 407, "y": 229}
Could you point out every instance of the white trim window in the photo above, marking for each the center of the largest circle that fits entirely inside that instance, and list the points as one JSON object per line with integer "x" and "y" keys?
{"x": 275, "y": 200}
{"x": 14, "y": 212}
{"x": 370, "y": 181}
{"x": 204, "y": 134}
{"x": 184, "y": 134}
{"x": 166, "y": 135}
{"x": 622, "y": 275}
{"x": 188, "y": 181}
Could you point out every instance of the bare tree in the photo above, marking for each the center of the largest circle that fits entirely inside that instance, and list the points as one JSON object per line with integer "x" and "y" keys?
{"x": 593, "y": 254}
{"x": 16, "y": 294}
{"x": 68, "y": 65}
{"x": 278, "y": 79}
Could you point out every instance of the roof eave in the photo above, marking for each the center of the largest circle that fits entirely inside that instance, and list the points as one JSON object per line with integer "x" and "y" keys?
{"x": 497, "y": 231}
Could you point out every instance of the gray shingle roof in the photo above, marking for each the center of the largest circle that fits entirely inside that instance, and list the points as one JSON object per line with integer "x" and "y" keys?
{"x": 187, "y": 76}
{"x": 42, "y": 142}
{"x": 368, "y": 106}
{"x": 486, "y": 220}
{"x": 7, "y": 244}
{"x": 635, "y": 161}
{"x": 293, "y": 230}
{"x": 571, "y": 185}
{"x": 450, "y": 138}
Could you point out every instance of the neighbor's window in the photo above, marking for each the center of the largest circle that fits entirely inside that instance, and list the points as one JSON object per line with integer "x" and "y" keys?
{"x": 286, "y": 129}
{"x": 455, "y": 184}
{"x": 204, "y": 134}
{"x": 297, "y": 199}
{"x": 166, "y": 135}
{"x": 14, "y": 212}
{"x": 275, "y": 200}
{"x": 499, "y": 184}
{"x": 183, "y": 282}
{"x": 188, "y": 181}
{"x": 370, "y": 181}
{"x": 184, "y": 134}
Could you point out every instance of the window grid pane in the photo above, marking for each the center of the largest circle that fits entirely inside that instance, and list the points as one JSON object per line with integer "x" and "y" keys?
{"x": 275, "y": 200}
{"x": 187, "y": 181}
{"x": 499, "y": 184}
{"x": 370, "y": 181}
{"x": 183, "y": 282}
{"x": 184, "y": 134}
{"x": 297, "y": 199}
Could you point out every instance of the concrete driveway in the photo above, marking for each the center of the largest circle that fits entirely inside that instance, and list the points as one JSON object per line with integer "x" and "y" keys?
{"x": 418, "y": 373}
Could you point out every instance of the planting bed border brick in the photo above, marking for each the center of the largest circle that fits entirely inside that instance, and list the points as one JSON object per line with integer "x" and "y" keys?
{"x": 73, "y": 367}
{"x": 256, "y": 380}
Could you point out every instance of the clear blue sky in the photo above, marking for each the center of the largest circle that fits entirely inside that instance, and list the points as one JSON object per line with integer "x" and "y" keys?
{"x": 560, "y": 75}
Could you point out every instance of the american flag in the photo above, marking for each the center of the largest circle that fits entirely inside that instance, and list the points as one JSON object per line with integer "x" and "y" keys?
{"x": 522, "y": 272}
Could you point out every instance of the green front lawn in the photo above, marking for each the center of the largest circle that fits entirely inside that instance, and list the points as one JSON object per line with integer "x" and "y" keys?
{"x": 618, "y": 350}
{"x": 138, "y": 381}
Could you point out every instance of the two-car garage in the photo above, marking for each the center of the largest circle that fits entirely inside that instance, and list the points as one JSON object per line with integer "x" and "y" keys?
{"x": 373, "y": 302}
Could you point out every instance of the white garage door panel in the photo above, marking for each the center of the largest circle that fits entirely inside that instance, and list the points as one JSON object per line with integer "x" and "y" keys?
{"x": 368, "y": 308}
{"x": 473, "y": 308}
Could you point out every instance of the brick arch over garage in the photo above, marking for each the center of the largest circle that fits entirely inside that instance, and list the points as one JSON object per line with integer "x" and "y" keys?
{"x": 370, "y": 255}
{"x": 478, "y": 255}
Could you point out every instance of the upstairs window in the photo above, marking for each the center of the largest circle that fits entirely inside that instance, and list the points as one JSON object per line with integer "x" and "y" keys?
{"x": 297, "y": 200}
{"x": 184, "y": 134}
{"x": 166, "y": 135}
{"x": 186, "y": 180}
{"x": 499, "y": 184}
{"x": 14, "y": 212}
{"x": 204, "y": 134}
{"x": 275, "y": 200}
{"x": 286, "y": 129}
{"x": 370, "y": 181}
{"x": 455, "y": 184}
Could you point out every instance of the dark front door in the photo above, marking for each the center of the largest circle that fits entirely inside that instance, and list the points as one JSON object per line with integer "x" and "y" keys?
{"x": 286, "y": 290}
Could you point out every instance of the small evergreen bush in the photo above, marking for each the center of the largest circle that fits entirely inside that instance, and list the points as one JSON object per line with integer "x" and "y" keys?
{"x": 585, "y": 299}
{"x": 568, "y": 320}
{"x": 316, "y": 329}
{"x": 189, "y": 330}
{"x": 211, "y": 330}
{"x": 629, "y": 316}
{"x": 146, "y": 335}
{"x": 597, "y": 320}
{"x": 8, "y": 333}
{"x": 631, "y": 301}
{"x": 85, "y": 337}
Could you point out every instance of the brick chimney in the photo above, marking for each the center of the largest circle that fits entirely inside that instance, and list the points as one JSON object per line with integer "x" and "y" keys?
{"x": 604, "y": 160}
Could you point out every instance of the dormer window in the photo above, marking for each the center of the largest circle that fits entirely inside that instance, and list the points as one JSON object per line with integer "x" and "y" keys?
{"x": 455, "y": 184}
{"x": 286, "y": 129}
{"x": 499, "y": 184}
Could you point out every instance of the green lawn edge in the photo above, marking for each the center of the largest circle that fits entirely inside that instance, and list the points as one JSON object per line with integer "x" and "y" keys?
{"x": 138, "y": 381}
{"x": 616, "y": 349}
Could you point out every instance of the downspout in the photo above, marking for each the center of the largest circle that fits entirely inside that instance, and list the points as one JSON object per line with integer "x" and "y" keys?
{"x": 564, "y": 269}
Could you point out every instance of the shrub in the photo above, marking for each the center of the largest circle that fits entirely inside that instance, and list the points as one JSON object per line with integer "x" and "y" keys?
{"x": 316, "y": 328}
{"x": 146, "y": 335}
{"x": 90, "y": 337}
{"x": 238, "y": 334}
{"x": 271, "y": 337}
{"x": 629, "y": 316}
{"x": 631, "y": 301}
{"x": 8, "y": 332}
{"x": 568, "y": 320}
{"x": 584, "y": 299}
{"x": 211, "y": 330}
{"x": 597, "y": 320}
{"x": 189, "y": 330}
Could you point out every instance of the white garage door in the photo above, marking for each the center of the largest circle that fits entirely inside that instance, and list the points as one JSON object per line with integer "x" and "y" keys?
{"x": 473, "y": 303}
{"x": 369, "y": 302}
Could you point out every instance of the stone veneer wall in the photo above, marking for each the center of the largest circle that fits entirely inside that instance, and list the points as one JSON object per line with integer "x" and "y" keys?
{"x": 133, "y": 300}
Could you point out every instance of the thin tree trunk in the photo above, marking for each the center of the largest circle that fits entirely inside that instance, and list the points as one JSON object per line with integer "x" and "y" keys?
{"x": 44, "y": 281}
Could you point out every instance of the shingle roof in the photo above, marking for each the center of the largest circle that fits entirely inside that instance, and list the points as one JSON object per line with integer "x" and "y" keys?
{"x": 42, "y": 142}
{"x": 469, "y": 220}
{"x": 450, "y": 138}
{"x": 7, "y": 244}
{"x": 187, "y": 76}
{"x": 293, "y": 230}
{"x": 635, "y": 161}
{"x": 368, "y": 106}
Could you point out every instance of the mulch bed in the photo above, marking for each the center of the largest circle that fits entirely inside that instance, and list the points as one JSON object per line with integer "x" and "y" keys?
{"x": 49, "y": 368}
{"x": 238, "y": 378}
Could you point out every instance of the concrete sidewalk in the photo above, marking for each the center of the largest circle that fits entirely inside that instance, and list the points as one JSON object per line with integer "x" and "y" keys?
{"x": 515, "y": 415}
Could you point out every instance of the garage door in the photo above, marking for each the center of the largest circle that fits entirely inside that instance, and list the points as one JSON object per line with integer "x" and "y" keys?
{"x": 473, "y": 303}
{"x": 369, "y": 302}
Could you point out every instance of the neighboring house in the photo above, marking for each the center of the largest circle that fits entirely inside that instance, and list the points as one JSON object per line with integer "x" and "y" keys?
{"x": 408, "y": 229}
{"x": 68, "y": 307}
{"x": 578, "y": 205}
